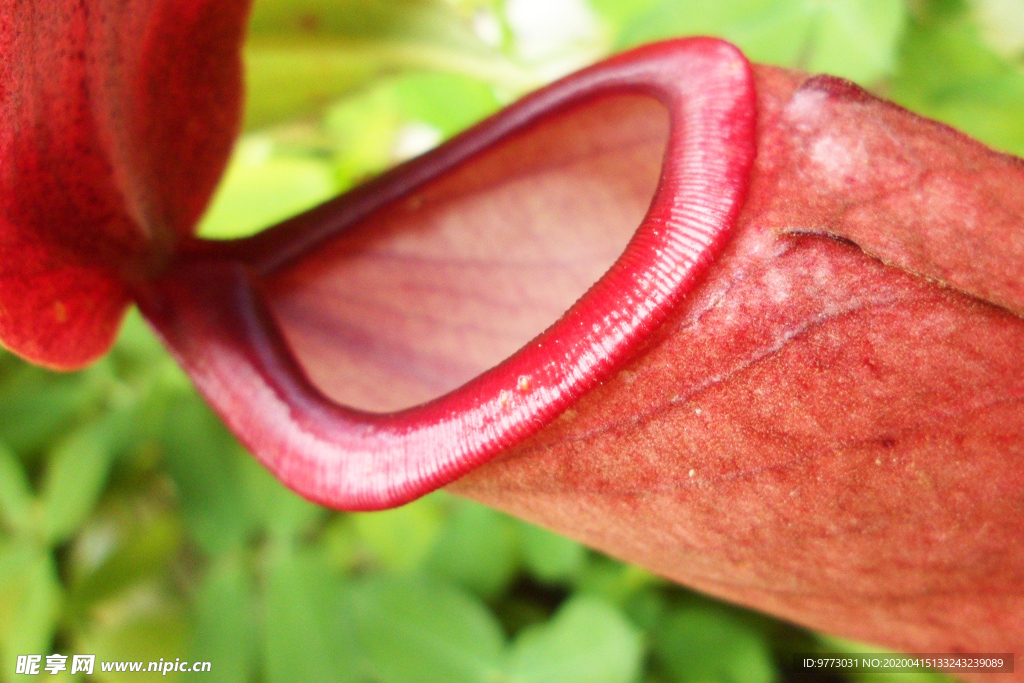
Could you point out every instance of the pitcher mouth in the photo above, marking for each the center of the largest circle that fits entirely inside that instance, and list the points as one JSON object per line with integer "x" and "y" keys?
{"x": 224, "y": 310}
{"x": 430, "y": 290}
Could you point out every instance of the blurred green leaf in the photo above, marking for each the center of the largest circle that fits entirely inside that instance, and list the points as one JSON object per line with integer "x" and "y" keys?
{"x": 282, "y": 513}
{"x": 448, "y": 102}
{"x": 371, "y": 132}
{"x": 125, "y": 547}
{"x": 305, "y": 637}
{"x": 618, "y": 14}
{"x": 831, "y": 645}
{"x": 362, "y": 131}
{"x": 16, "y": 497}
{"x": 340, "y": 543}
{"x": 615, "y": 582}
{"x": 857, "y": 39}
{"x": 286, "y": 78}
{"x": 550, "y": 557}
{"x": 30, "y": 597}
{"x": 147, "y": 627}
{"x": 205, "y": 464}
{"x": 137, "y": 346}
{"x": 707, "y": 642}
{"x": 412, "y": 630}
{"x": 477, "y": 548}
{"x": 36, "y": 404}
{"x": 224, "y": 632}
{"x": 400, "y": 539}
{"x": 304, "y": 54}
{"x": 76, "y": 471}
{"x": 975, "y": 90}
{"x": 646, "y": 607}
{"x": 588, "y": 641}
{"x": 261, "y": 188}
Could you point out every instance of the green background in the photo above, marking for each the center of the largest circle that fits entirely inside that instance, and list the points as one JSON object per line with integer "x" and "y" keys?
{"x": 132, "y": 526}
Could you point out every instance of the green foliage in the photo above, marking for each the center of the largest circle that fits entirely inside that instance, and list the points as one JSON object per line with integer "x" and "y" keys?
{"x": 586, "y": 641}
{"x": 224, "y": 607}
{"x": 550, "y": 557}
{"x": 30, "y": 598}
{"x": 704, "y": 642}
{"x": 204, "y": 463}
{"x": 857, "y": 39}
{"x": 415, "y": 629}
{"x": 76, "y": 470}
{"x": 302, "y": 54}
{"x": 134, "y": 526}
{"x": 261, "y": 187}
{"x": 16, "y": 498}
{"x": 476, "y": 548}
{"x": 400, "y": 539}
{"x": 977, "y": 89}
{"x": 304, "y": 635}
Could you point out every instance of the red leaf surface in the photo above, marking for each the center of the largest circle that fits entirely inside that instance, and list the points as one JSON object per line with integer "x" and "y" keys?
{"x": 118, "y": 118}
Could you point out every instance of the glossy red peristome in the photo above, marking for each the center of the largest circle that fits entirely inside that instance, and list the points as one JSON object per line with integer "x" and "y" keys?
{"x": 798, "y": 387}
